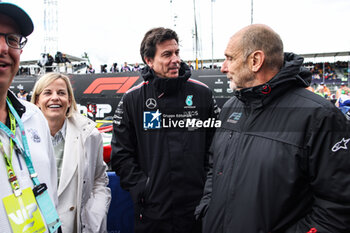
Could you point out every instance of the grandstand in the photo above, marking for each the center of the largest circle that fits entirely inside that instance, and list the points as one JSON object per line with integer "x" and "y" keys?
{"x": 75, "y": 65}
{"x": 329, "y": 68}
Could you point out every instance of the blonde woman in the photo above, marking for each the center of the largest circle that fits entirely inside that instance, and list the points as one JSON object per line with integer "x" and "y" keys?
{"x": 83, "y": 195}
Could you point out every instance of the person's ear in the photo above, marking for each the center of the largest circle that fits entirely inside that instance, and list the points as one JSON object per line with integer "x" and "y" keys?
{"x": 256, "y": 60}
{"x": 149, "y": 62}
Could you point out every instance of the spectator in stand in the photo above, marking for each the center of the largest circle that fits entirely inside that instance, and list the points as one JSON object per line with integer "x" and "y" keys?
{"x": 22, "y": 94}
{"x": 59, "y": 58}
{"x": 83, "y": 195}
{"x": 43, "y": 60}
{"x": 320, "y": 91}
{"x": 324, "y": 90}
{"x": 104, "y": 68}
{"x": 343, "y": 90}
{"x": 114, "y": 68}
{"x": 46, "y": 62}
{"x": 65, "y": 58}
{"x": 343, "y": 103}
{"x": 125, "y": 68}
{"x": 49, "y": 63}
{"x": 90, "y": 70}
{"x": 136, "y": 67}
{"x": 21, "y": 71}
{"x": 190, "y": 65}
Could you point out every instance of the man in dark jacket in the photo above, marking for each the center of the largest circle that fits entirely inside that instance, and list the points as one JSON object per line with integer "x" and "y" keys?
{"x": 281, "y": 159}
{"x": 162, "y": 132}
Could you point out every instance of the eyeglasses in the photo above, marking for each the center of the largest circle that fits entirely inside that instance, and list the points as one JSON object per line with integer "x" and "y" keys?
{"x": 14, "y": 40}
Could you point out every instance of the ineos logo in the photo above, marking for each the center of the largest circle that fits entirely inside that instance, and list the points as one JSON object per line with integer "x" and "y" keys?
{"x": 151, "y": 103}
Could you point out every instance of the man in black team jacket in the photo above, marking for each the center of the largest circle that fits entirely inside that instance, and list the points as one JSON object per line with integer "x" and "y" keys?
{"x": 159, "y": 147}
{"x": 281, "y": 159}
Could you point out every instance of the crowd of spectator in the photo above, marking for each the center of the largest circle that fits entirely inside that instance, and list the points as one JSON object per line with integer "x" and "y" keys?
{"x": 329, "y": 80}
{"x": 114, "y": 68}
{"x": 328, "y": 71}
{"x": 127, "y": 67}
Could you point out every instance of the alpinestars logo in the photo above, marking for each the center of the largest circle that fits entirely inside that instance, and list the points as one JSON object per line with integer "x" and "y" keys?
{"x": 341, "y": 145}
{"x": 154, "y": 120}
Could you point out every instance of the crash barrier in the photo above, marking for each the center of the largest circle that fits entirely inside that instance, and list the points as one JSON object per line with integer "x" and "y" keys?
{"x": 98, "y": 95}
{"x": 120, "y": 218}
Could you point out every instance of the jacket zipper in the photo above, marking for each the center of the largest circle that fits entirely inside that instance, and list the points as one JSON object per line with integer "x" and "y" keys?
{"x": 237, "y": 153}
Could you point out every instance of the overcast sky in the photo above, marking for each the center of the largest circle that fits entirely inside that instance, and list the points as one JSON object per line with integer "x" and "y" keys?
{"x": 112, "y": 30}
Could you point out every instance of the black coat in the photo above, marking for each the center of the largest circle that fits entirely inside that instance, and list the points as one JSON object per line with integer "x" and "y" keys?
{"x": 165, "y": 168}
{"x": 281, "y": 161}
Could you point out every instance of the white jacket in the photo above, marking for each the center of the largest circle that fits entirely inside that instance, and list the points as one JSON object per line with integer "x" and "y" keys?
{"x": 39, "y": 141}
{"x": 83, "y": 157}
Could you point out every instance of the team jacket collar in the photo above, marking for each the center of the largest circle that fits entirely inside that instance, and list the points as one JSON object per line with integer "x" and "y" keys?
{"x": 168, "y": 86}
{"x": 291, "y": 75}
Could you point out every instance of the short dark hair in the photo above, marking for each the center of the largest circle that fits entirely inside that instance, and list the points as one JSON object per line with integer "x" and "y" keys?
{"x": 154, "y": 37}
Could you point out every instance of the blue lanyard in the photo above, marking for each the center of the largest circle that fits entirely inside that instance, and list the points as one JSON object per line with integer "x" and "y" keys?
{"x": 42, "y": 197}
{"x": 25, "y": 152}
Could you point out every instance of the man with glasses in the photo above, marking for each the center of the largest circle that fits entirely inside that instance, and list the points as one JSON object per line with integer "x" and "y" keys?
{"x": 27, "y": 166}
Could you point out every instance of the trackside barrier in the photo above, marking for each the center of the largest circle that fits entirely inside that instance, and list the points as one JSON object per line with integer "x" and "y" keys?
{"x": 106, "y": 89}
{"x": 120, "y": 218}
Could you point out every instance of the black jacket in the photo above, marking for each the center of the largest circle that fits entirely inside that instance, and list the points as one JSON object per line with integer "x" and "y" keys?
{"x": 281, "y": 161}
{"x": 163, "y": 168}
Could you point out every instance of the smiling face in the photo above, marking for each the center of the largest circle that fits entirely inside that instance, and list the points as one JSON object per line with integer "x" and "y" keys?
{"x": 54, "y": 101}
{"x": 166, "y": 61}
{"x": 9, "y": 57}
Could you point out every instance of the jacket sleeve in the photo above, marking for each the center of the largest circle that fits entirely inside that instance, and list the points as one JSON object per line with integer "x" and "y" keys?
{"x": 124, "y": 147}
{"x": 98, "y": 204}
{"x": 202, "y": 208}
{"x": 213, "y": 113}
{"x": 329, "y": 175}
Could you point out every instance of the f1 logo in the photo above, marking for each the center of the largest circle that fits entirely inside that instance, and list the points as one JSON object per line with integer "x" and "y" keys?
{"x": 121, "y": 84}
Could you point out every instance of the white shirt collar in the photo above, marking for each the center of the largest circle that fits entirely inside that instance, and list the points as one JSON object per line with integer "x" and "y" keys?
{"x": 60, "y": 135}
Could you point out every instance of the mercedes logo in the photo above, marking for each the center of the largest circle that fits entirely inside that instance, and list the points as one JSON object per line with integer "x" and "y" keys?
{"x": 151, "y": 103}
